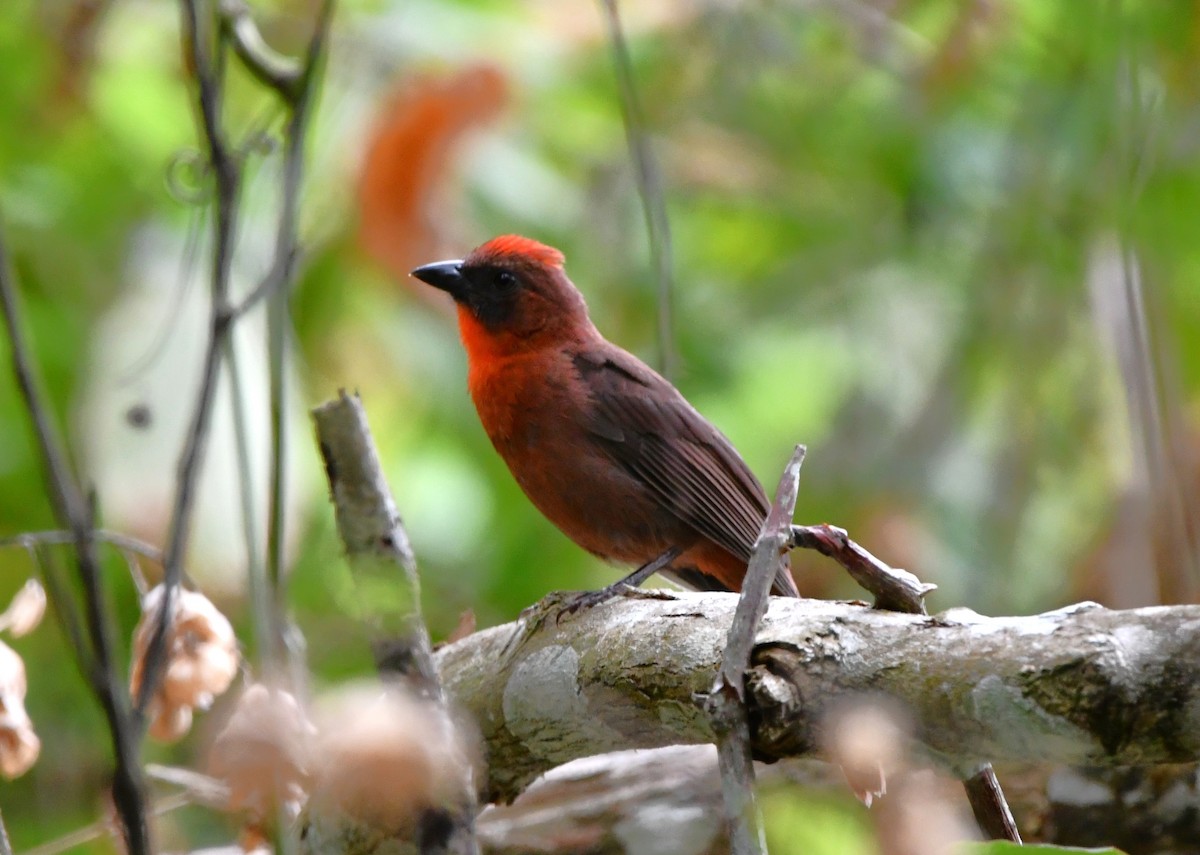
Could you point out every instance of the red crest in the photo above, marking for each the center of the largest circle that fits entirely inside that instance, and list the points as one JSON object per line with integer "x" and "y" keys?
{"x": 515, "y": 247}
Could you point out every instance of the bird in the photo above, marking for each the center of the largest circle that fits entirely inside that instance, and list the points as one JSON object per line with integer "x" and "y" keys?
{"x": 602, "y": 444}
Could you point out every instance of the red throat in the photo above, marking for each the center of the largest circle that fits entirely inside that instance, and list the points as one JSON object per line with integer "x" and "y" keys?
{"x": 479, "y": 344}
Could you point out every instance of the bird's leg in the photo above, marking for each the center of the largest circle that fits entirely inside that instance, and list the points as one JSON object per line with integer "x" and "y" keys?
{"x": 623, "y": 587}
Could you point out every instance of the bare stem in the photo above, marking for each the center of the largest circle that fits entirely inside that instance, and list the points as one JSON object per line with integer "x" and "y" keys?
{"x": 74, "y": 511}
{"x": 278, "y": 317}
{"x": 260, "y": 599}
{"x": 649, "y": 184}
{"x": 894, "y": 589}
{"x": 58, "y": 537}
{"x": 901, "y": 591}
{"x": 281, "y": 73}
{"x": 227, "y": 175}
{"x": 727, "y": 701}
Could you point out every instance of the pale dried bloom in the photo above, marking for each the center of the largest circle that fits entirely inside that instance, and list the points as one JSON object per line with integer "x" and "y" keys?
{"x": 264, "y": 753}
{"x": 384, "y": 757}
{"x": 19, "y": 745}
{"x": 202, "y": 660}
{"x": 869, "y": 744}
{"x": 920, "y": 818}
{"x": 25, "y": 611}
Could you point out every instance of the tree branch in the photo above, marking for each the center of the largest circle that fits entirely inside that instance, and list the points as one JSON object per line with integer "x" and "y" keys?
{"x": 376, "y": 544}
{"x": 627, "y": 801}
{"x": 381, "y": 560}
{"x": 894, "y": 589}
{"x": 726, "y": 701}
{"x": 75, "y": 512}
{"x": 899, "y": 590}
{"x": 1083, "y": 685}
{"x": 279, "y": 72}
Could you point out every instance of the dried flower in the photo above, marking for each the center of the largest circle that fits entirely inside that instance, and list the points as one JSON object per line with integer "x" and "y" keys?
{"x": 19, "y": 745}
{"x": 25, "y": 611}
{"x": 869, "y": 743}
{"x": 920, "y": 817}
{"x": 201, "y": 655}
{"x": 384, "y": 757}
{"x": 264, "y": 753}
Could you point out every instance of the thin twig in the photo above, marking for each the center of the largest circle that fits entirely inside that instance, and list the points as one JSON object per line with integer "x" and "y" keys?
{"x": 101, "y": 828}
{"x": 894, "y": 589}
{"x": 282, "y": 269}
{"x": 278, "y": 306}
{"x": 75, "y": 512}
{"x": 168, "y": 329}
{"x": 227, "y": 175}
{"x": 901, "y": 591}
{"x": 281, "y": 73}
{"x": 260, "y": 598}
{"x": 63, "y": 605}
{"x": 135, "y": 572}
{"x": 726, "y": 702}
{"x": 201, "y": 789}
{"x": 58, "y": 537}
{"x": 649, "y": 184}
{"x": 64, "y": 494}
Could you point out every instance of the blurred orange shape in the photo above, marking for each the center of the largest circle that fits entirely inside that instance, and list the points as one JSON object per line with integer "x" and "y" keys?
{"x": 409, "y": 161}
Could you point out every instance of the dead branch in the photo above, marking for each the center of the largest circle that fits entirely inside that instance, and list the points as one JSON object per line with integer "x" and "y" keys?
{"x": 381, "y": 559}
{"x": 75, "y": 511}
{"x": 1080, "y": 685}
{"x": 726, "y": 701}
{"x": 618, "y": 803}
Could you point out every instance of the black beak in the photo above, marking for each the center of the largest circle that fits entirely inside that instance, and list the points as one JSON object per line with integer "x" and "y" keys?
{"x": 446, "y": 275}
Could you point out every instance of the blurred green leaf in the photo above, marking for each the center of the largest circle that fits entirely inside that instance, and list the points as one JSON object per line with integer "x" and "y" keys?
{"x": 1001, "y": 847}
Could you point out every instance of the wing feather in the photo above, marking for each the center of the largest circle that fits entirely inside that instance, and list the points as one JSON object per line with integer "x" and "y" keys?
{"x": 649, "y": 429}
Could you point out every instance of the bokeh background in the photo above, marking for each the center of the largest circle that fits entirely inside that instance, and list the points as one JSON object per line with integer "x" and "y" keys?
{"x": 951, "y": 246}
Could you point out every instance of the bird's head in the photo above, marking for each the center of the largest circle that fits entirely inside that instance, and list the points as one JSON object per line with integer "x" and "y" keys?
{"x": 512, "y": 296}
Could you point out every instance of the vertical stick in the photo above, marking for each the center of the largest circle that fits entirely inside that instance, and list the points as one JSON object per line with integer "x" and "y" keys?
{"x": 726, "y": 702}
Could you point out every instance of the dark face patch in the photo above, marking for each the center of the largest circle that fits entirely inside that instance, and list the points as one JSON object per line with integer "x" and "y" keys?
{"x": 492, "y": 295}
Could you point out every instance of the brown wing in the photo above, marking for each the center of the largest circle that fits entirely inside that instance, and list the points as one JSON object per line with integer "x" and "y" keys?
{"x": 650, "y": 430}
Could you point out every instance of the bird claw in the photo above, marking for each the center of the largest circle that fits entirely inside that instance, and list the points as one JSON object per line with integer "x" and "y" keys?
{"x": 590, "y": 599}
{"x": 563, "y": 603}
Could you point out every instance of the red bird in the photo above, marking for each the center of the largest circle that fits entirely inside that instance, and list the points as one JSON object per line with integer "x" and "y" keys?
{"x": 605, "y": 447}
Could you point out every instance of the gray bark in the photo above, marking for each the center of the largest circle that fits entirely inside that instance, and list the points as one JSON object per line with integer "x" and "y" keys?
{"x": 1084, "y": 685}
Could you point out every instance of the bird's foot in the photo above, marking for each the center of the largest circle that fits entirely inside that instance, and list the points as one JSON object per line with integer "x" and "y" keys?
{"x": 558, "y": 604}
{"x": 586, "y": 600}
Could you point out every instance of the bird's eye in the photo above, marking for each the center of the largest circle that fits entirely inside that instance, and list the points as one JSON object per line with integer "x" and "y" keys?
{"x": 505, "y": 281}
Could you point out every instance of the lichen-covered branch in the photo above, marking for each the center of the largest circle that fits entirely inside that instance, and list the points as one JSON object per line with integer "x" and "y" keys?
{"x": 627, "y": 801}
{"x": 381, "y": 560}
{"x": 376, "y": 543}
{"x": 1081, "y": 685}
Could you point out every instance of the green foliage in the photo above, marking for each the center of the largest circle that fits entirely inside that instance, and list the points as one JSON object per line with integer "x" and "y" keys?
{"x": 808, "y": 824}
{"x": 1000, "y": 847}
{"x": 883, "y": 239}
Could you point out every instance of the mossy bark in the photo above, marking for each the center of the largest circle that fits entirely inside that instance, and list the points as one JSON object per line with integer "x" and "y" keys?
{"x": 1080, "y": 685}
